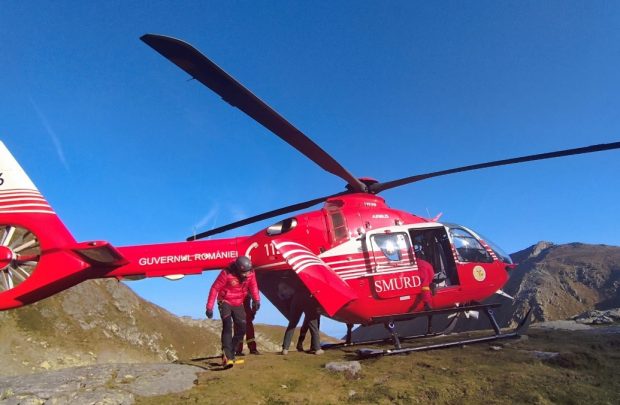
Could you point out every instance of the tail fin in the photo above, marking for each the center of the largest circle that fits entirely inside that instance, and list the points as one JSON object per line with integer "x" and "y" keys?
{"x": 34, "y": 261}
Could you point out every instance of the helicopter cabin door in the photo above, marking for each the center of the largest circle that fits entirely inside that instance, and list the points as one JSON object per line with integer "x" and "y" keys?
{"x": 432, "y": 244}
{"x": 393, "y": 270}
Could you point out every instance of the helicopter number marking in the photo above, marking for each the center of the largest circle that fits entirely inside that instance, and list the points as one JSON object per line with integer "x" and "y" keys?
{"x": 1, "y": 179}
{"x": 479, "y": 273}
{"x": 270, "y": 249}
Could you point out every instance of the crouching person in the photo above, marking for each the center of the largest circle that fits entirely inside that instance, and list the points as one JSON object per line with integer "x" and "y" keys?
{"x": 230, "y": 288}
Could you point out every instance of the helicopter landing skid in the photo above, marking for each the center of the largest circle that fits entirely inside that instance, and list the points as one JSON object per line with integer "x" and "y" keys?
{"x": 388, "y": 321}
{"x": 445, "y": 331}
{"x": 517, "y": 332}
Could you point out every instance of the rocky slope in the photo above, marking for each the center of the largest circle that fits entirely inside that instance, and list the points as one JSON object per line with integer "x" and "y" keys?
{"x": 103, "y": 321}
{"x": 562, "y": 281}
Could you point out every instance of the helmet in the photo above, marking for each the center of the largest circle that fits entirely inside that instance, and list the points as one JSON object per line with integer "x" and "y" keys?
{"x": 242, "y": 265}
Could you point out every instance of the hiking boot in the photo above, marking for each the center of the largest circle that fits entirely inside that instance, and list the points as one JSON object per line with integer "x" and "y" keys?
{"x": 320, "y": 351}
{"x": 300, "y": 348}
{"x": 255, "y": 352}
{"x": 284, "y": 352}
{"x": 239, "y": 354}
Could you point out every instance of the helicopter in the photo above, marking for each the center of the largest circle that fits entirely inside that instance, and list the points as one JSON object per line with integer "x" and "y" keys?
{"x": 358, "y": 257}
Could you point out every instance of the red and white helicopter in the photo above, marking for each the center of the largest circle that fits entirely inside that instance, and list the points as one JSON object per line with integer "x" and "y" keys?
{"x": 356, "y": 255}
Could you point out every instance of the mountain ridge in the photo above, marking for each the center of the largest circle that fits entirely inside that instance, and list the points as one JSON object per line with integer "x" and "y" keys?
{"x": 562, "y": 281}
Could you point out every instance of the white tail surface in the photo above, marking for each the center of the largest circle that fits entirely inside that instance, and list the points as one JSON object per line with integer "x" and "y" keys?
{"x": 18, "y": 194}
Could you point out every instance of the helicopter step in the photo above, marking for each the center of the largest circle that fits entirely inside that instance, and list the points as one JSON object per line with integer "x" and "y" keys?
{"x": 517, "y": 332}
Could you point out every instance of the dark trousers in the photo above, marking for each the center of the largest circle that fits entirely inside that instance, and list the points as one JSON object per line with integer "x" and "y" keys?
{"x": 311, "y": 316}
{"x": 250, "y": 339}
{"x": 304, "y": 330}
{"x": 231, "y": 315}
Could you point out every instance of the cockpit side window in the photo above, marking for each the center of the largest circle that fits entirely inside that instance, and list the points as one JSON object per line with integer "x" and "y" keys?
{"x": 392, "y": 245}
{"x": 339, "y": 225}
{"x": 468, "y": 248}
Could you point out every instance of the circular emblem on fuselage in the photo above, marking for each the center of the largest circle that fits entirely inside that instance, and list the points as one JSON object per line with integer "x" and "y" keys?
{"x": 479, "y": 273}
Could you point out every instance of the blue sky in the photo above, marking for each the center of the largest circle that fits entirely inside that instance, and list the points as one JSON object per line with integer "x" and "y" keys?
{"x": 126, "y": 149}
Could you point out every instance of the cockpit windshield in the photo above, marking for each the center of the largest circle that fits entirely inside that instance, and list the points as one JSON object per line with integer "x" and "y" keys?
{"x": 503, "y": 256}
{"x": 467, "y": 244}
{"x": 468, "y": 248}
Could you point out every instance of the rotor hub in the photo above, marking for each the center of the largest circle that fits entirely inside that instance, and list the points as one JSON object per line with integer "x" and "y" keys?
{"x": 6, "y": 257}
{"x": 20, "y": 253}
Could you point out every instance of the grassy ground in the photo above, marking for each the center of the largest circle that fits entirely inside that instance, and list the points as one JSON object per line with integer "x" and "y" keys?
{"x": 584, "y": 371}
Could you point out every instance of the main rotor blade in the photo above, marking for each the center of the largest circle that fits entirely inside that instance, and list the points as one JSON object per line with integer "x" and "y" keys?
{"x": 378, "y": 187}
{"x": 208, "y": 73}
{"x": 265, "y": 215}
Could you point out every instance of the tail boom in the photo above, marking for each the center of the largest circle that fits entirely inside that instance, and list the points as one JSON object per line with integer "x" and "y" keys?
{"x": 179, "y": 258}
{"x": 39, "y": 257}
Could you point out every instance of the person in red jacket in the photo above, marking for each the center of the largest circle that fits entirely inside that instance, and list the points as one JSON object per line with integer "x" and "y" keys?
{"x": 427, "y": 273}
{"x": 230, "y": 288}
{"x": 426, "y": 277}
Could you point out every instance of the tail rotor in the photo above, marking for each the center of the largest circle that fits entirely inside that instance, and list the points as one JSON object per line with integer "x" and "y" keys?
{"x": 20, "y": 251}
